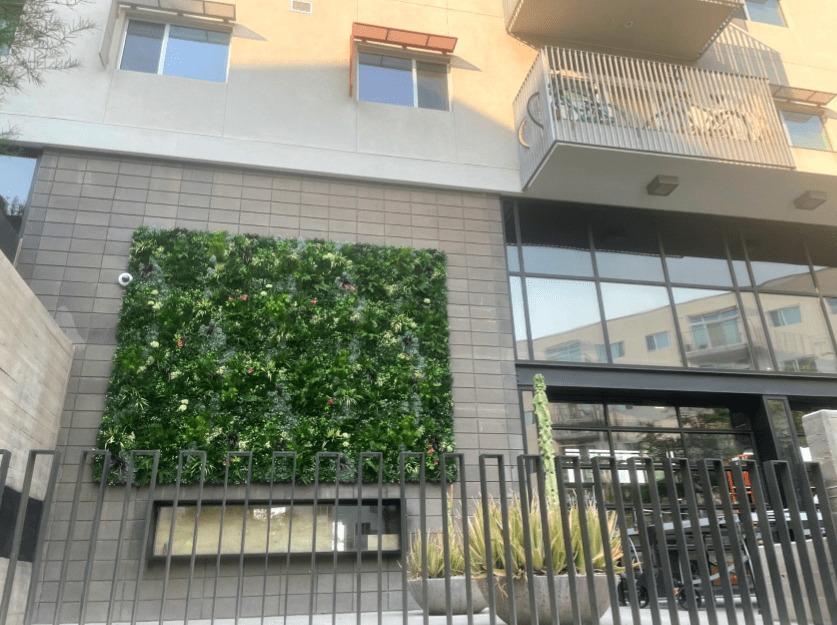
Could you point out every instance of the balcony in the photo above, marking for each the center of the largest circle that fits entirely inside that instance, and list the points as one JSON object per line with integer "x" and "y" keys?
{"x": 574, "y": 98}
{"x": 671, "y": 28}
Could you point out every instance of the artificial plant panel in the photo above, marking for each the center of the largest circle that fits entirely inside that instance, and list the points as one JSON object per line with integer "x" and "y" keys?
{"x": 234, "y": 342}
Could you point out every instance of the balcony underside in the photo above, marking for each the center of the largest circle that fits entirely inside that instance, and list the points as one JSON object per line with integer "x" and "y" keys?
{"x": 619, "y": 177}
{"x": 671, "y": 28}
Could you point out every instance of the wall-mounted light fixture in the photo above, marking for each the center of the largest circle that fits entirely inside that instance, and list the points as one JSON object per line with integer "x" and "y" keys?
{"x": 663, "y": 185}
{"x": 810, "y": 200}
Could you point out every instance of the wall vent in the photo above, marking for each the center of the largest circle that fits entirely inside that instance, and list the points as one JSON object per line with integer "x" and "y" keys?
{"x": 300, "y": 6}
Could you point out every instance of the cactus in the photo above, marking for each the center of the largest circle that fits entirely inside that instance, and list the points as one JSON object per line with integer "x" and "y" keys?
{"x": 545, "y": 441}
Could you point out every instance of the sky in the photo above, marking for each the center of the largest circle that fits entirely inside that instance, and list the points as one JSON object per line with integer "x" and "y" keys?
{"x": 16, "y": 176}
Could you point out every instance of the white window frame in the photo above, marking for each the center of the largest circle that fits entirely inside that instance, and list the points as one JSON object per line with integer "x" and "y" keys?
{"x": 654, "y": 340}
{"x": 412, "y": 56}
{"x": 168, "y": 23}
{"x": 804, "y": 110}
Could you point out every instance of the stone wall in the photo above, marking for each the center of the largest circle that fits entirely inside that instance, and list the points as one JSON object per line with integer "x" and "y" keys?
{"x": 84, "y": 211}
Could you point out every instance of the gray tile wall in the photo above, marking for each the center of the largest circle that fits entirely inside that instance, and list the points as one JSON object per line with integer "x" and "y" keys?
{"x": 76, "y": 242}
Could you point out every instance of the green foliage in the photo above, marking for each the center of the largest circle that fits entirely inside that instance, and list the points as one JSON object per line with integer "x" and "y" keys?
{"x": 545, "y": 444}
{"x": 560, "y": 560}
{"x": 233, "y": 342}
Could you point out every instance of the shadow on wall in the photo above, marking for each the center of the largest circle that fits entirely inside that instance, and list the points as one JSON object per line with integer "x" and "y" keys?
{"x": 737, "y": 52}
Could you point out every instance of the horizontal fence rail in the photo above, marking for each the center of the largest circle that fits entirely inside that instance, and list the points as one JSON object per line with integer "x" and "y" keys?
{"x": 584, "y": 98}
{"x": 577, "y": 542}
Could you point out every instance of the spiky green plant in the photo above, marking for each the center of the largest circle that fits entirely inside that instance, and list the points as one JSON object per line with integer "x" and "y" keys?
{"x": 436, "y": 550}
{"x": 547, "y": 449}
{"x": 560, "y": 560}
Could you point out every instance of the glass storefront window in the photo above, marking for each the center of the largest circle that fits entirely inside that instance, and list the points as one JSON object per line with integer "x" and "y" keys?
{"x": 713, "y": 446}
{"x": 16, "y": 177}
{"x": 798, "y": 332}
{"x": 778, "y": 261}
{"x": 555, "y": 244}
{"x": 631, "y": 416}
{"x": 634, "y": 312}
{"x": 694, "y": 253}
{"x": 627, "y": 250}
{"x": 759, "y": 352}
{"x": 648, "y": 444}
{"x": 706, "y": 418}
{"x": 565, "y": 321}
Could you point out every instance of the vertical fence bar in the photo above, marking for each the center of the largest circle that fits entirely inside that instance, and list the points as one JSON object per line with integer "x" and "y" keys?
{"x": 93, "y": 536}
{"x": 293, "y": 456}
{"x": 544, "y": 504}
{"x": 581, "y": 496}
{"x": 245, "y": 512}
{"x": 447, "y": 525}
{"x": 717, "y": 539}
{"x": 466, "y": 542}
{"x": 563, "y": 503}
{"x": 627, "y": 545}
{"x": 28, "y": 614}
{"x": 828, "y": 525}
{"x": 780, "y": 482}
{"x": 686, "y": 585}
{"x": 169, "y": 545}
{"x": 527, "y": 534}
{"x": 662, "y": 544}
{"x": 359, "y": 534}
{"x": 607, "y": 531}
{"x": 149, "y": 510}
{"x": 422, "y": 529}
{"x": 338, "y": 464}
{"x": 202, "y": 456}
{"x": 766, "y": 540}
{"x": 227, "y": 464}
{"x": 649, "y": 573}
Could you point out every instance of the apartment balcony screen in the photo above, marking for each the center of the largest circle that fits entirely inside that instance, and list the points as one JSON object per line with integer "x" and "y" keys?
{"x": 599, "y": 286}
{"x": 571, "y": 97}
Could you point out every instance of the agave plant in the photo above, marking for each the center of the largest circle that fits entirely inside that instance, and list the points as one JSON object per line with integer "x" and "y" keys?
{"x": 436, "y": 550}
{"x": 598, "y": 543}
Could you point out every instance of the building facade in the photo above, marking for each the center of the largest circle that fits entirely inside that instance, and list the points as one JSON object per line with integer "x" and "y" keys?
{"x": 636, "y": 203}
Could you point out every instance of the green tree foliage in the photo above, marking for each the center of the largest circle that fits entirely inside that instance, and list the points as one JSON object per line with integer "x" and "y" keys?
{"x": 232, "y": 342}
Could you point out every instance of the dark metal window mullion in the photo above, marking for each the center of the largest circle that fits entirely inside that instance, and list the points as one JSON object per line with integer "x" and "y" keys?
{"x": 823, "y": 304}
{"x": 530, "y": 345}
{"x": 605, "y": 333}
{"x": 740, "y": 301}
{"x": 759, "y": 307}
{"x": 672, "y": 306}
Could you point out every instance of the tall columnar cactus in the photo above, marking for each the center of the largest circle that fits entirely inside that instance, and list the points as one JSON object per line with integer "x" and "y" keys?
{"x": 545, "y": 440}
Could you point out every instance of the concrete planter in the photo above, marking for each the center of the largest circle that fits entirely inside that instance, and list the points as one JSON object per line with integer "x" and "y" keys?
{"x": 436, "y": 602}
{"x": 589, "y": 615}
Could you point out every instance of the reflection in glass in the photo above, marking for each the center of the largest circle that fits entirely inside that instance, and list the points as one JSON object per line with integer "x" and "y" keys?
{"x": 798, "y": 333}
{"x": 554, "y": 243}
{"x": 577, "y": 415}
{"x": 386, "y": 79}
{"x": 513, "y": 258}
{"x": 648, "y": 444}
{"x": 196, "y": 53}
{"x": 15, "y": 185}
{"x": 627, "y": 251}
{"x": 432, "y": 85}
{"x": 781, "y": 420}
{"x": 778, "y": 261}
{"x": 695, "y": 253}
{"x": 564, "y": 320}
{"x": 739, "y": 263}
{"x": 635, "y": 312}
{"x": 759, "y": 352}
{"x": 706, "y": 418}
{"x": 713, "y": 329}
{"x": 516, "y": 293}
{"x": 632, "y": 416}
{"x": 143, "y": 43}
{"x": 332, "y": 533}
{"x": 557, "y": 260}
{"x": 713, "y": 446}
{"x": 582, "y": 443}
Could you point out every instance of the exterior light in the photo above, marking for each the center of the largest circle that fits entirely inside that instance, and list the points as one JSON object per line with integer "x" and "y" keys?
{"x": 663, "y": 185}
{"x": 810, "y": 200}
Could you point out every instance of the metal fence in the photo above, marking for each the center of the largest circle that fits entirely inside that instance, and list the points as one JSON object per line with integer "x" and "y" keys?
{"x": 606, "y": 541}
{"x": 584, "y": 98}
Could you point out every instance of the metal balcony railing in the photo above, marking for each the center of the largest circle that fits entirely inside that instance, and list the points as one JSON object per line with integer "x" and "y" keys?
{"x": 584, "y": 98}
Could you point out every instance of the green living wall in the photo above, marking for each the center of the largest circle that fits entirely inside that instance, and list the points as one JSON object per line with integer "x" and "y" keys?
{"x": 235, "y": 342}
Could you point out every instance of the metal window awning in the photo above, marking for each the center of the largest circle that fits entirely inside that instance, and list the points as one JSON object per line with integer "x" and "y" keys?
{"x": 797, "y": 94}
{"x": 207, "y": 9}
{"x": 396, "y": 37}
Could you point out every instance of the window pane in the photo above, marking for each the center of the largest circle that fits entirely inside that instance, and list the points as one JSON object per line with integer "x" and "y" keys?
{"x": 798, "y": 332}
{"x": 432, "y": 84}
{"x": 516, "y": 291}
{"x": 554, "y": 242}
{"x": 695, "y": 252}
{"x": 723, "y": 446}
{"x": 387, "y": 79}
{"x": 647, "y": 444}
{"x": 642, "y": 416}
{"x": 513, "y": 258}
{"x": 739, "y": 263}
{"x": 194, "y": 53}
{"x": 564, "y": 319}
{"x": 16, "y": 177}
{"x": 660, "y": 340}
{"x": 713, "y": 329}
{"x": 806, "y": 131}
{"x": 759, "y": 352}
{"x": 142, "y": 47}
{"x": 633, "y": 312}
{"x": 585, "y": 444}
{"x": 577, "y": 415}
{"x": 627, "y": 250}
{"x": 765, "y": 11}
{"x": 706, "y": 419}
{"x": 777, "y": 257}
